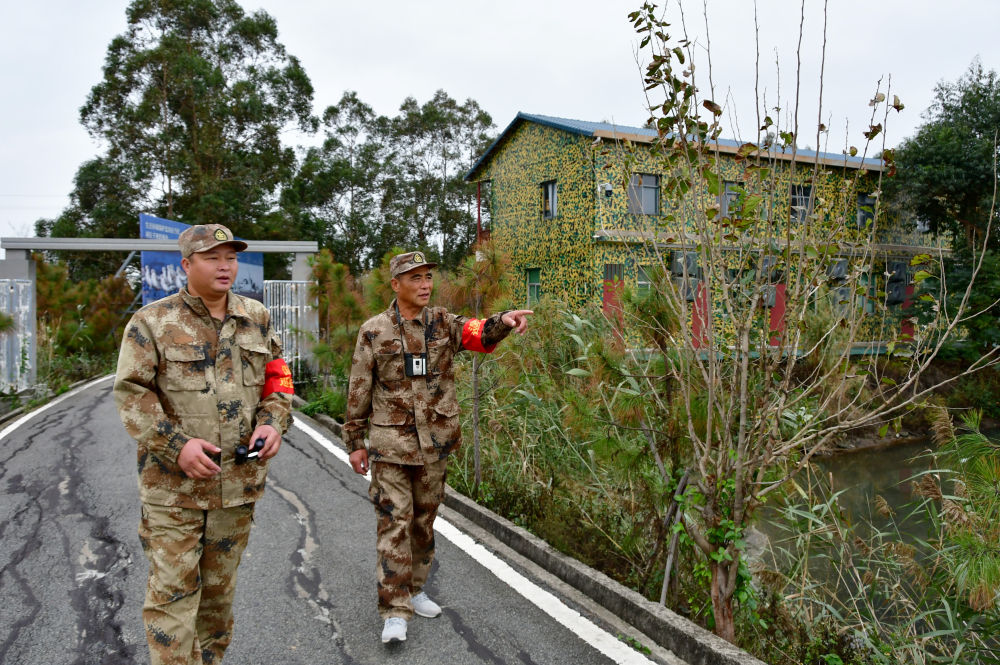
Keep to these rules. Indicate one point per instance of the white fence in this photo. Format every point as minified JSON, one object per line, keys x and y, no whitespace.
{"x":17,"y":300}
{"x":292,"y":315}
{"x":293,"y":318}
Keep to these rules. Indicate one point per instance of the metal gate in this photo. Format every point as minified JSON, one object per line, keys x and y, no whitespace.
{"x":293,"y":318}
{"x":17,"y":300}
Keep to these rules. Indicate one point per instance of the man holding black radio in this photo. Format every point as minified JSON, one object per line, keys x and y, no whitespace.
{"x":402,"y":394}
{"x":203,"y":390}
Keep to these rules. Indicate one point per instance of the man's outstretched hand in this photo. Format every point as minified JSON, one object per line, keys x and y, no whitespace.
{"x":517,"y":319}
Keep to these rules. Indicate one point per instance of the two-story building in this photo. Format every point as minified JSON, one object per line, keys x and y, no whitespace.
{"x":576,"y":225}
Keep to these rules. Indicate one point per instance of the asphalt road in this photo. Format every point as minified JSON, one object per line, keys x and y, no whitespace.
{"x":72,"y":574}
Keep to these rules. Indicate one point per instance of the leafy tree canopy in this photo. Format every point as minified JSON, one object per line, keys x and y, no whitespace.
{"x":947,"y":170}
{"x":333,"y":197}
{"x":190,"y":112}
{"x":947,"y":176}
{"x":380,"y":182}
{"x":191,"y":109}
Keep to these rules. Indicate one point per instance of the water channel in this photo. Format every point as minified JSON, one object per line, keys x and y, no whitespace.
{"x":884,"y":471}
{"x":859,"y":476}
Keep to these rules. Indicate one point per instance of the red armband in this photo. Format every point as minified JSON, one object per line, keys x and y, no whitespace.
{"x":277,"y":378}
{"x":472,"y":336}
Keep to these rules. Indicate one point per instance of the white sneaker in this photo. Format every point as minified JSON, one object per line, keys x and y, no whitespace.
{"x":394,"y":630}
{"x":424,"y":606}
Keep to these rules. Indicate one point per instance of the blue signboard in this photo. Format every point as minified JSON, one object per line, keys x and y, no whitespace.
{"x":162,"y":274}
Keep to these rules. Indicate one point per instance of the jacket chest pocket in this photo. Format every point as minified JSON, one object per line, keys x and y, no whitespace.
{"x":389,"y":365}
{"x":254,"y":357}
{"x":184,"y":368}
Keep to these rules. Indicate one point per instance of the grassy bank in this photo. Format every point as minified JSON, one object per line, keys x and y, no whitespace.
{"x":569,"y":449}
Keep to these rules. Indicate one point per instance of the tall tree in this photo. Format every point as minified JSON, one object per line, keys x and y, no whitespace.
{"x":947,"y":170}
{"x":334,"y":197}
{"x":947,"y":177}
{"x":193,"y":102}
{"x":380,"y":182}
{"x":757,"y":396}
{"x":105,"y":203}
{"x":433,"y":145}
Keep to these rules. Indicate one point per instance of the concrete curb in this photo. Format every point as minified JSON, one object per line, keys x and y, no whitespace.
{"x":685,"y":639}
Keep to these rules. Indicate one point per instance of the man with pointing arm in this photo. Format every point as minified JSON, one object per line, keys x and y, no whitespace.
{"x":402,"y":394}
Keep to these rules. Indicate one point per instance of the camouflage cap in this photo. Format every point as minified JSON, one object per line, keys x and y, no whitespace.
{"x":406,"y":262}
{"x":204,"y":237}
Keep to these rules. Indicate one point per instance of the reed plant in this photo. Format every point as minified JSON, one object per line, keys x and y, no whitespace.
{"x":554,"y":459}
{"x":917,"y":584}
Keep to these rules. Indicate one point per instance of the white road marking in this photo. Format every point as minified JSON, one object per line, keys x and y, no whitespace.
{"x":582,"y":627}
{"x":45,"y":407}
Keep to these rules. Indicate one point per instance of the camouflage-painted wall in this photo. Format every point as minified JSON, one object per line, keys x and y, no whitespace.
{"x":560,"y":246}
{"x":570,"y":258}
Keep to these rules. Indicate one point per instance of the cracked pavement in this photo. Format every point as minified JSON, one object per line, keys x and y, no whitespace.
{"x":72,"y":573}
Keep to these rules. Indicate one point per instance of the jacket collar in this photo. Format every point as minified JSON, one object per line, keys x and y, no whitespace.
{"x":393,"y":315}
{"x":234,"y":304}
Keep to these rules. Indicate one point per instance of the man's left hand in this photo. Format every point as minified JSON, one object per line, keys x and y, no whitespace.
{"x":272,"y":440}
{"x":517,"y":319}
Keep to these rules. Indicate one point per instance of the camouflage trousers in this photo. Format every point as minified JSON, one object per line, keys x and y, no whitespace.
{"x":406,"y":502}
{"x":193,"y":555}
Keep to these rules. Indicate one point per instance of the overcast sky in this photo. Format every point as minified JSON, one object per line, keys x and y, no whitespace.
{"x":568,"y":58}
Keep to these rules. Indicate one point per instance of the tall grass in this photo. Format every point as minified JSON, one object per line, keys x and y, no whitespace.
{"x":565,"y":456}
{"x":913,"y":585}
{"x":554,"y":460}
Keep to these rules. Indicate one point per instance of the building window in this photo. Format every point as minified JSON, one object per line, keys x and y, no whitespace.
{"x":534,"y":280}
{"x":800,"y":203}
{"x":866,"y":210}
{"x":614,"y":272}
{"x":644,"y":194}
{"x":836,"y":270}
{"x":867,"y":300}
{"x":643,"y":283}
{"x":728,"y":199}
{"x":684,"y":267}
{"x":684,"y":264}
{"x":549,"y":199}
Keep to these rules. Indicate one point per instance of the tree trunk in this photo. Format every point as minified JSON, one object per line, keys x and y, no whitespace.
{"x":722,"y":605}
{"x":674,"y":514}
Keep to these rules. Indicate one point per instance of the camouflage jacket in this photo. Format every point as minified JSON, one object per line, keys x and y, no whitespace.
{"x":181,"y":377}
{"x":411,"y":420}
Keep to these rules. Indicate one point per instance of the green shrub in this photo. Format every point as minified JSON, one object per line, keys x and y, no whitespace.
{"x":331,"y":402}
{"x":553,"y":461}
{"x":979,"y":391}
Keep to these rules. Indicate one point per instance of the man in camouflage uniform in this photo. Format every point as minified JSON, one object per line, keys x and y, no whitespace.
{"x":199,"y":373}
{"x":402,"y":393}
